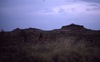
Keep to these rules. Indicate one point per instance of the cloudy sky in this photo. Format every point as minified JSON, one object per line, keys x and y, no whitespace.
{"x":49,"y":14}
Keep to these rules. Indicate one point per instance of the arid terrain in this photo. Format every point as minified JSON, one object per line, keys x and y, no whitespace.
{"x":71,"y":43}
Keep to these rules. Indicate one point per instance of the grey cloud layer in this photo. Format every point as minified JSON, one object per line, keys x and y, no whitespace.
{"x":97,"y":1}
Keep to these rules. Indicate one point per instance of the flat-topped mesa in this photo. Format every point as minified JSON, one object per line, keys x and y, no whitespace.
{"x":73,"y":27}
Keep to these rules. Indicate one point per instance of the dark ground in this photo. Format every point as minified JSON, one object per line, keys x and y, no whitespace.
{"x":72,"y":43}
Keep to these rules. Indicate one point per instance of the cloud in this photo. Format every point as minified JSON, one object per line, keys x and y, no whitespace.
{"x":97,"y":1}
{"x":75,"y":8}
{"x":18,"y":10}
{"x":46,"y":12}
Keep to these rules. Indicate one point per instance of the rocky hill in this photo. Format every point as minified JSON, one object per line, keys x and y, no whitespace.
{"x":71,"y":43}
{"x":73,"y":27}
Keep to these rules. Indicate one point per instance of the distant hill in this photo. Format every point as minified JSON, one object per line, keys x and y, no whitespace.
{"x":72,"y":27}
{"x":71,"y":43}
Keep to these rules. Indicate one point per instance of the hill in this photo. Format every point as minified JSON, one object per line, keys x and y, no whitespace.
{"x":71,"y":43}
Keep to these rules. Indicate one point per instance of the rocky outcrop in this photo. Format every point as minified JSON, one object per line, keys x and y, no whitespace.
{"x":73,"y":27}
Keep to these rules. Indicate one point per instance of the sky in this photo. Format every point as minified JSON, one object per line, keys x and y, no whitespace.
{"x":49,"y":14}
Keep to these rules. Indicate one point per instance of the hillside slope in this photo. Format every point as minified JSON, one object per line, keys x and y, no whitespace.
{"x":71,"y":43}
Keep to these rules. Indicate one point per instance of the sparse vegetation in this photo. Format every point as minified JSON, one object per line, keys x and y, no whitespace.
{"x":29,"y":45}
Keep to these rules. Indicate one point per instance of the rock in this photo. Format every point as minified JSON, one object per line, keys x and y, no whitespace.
{"x":73,"y":27}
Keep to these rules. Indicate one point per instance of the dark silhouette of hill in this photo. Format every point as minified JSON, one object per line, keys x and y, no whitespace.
{"x":72,"y":27}
{"x":71,"y":43}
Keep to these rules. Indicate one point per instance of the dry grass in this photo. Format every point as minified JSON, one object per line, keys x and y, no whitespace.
{"x":54,"y":47}
{"x":62,"y":51}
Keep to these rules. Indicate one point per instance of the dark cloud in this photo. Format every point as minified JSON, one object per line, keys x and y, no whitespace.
{"x":93,"y":9}
{"x":93,"y":5}
{"x":97,"y":1}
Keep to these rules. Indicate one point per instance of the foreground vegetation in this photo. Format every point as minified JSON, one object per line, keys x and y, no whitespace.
{"x":33,"y":45}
